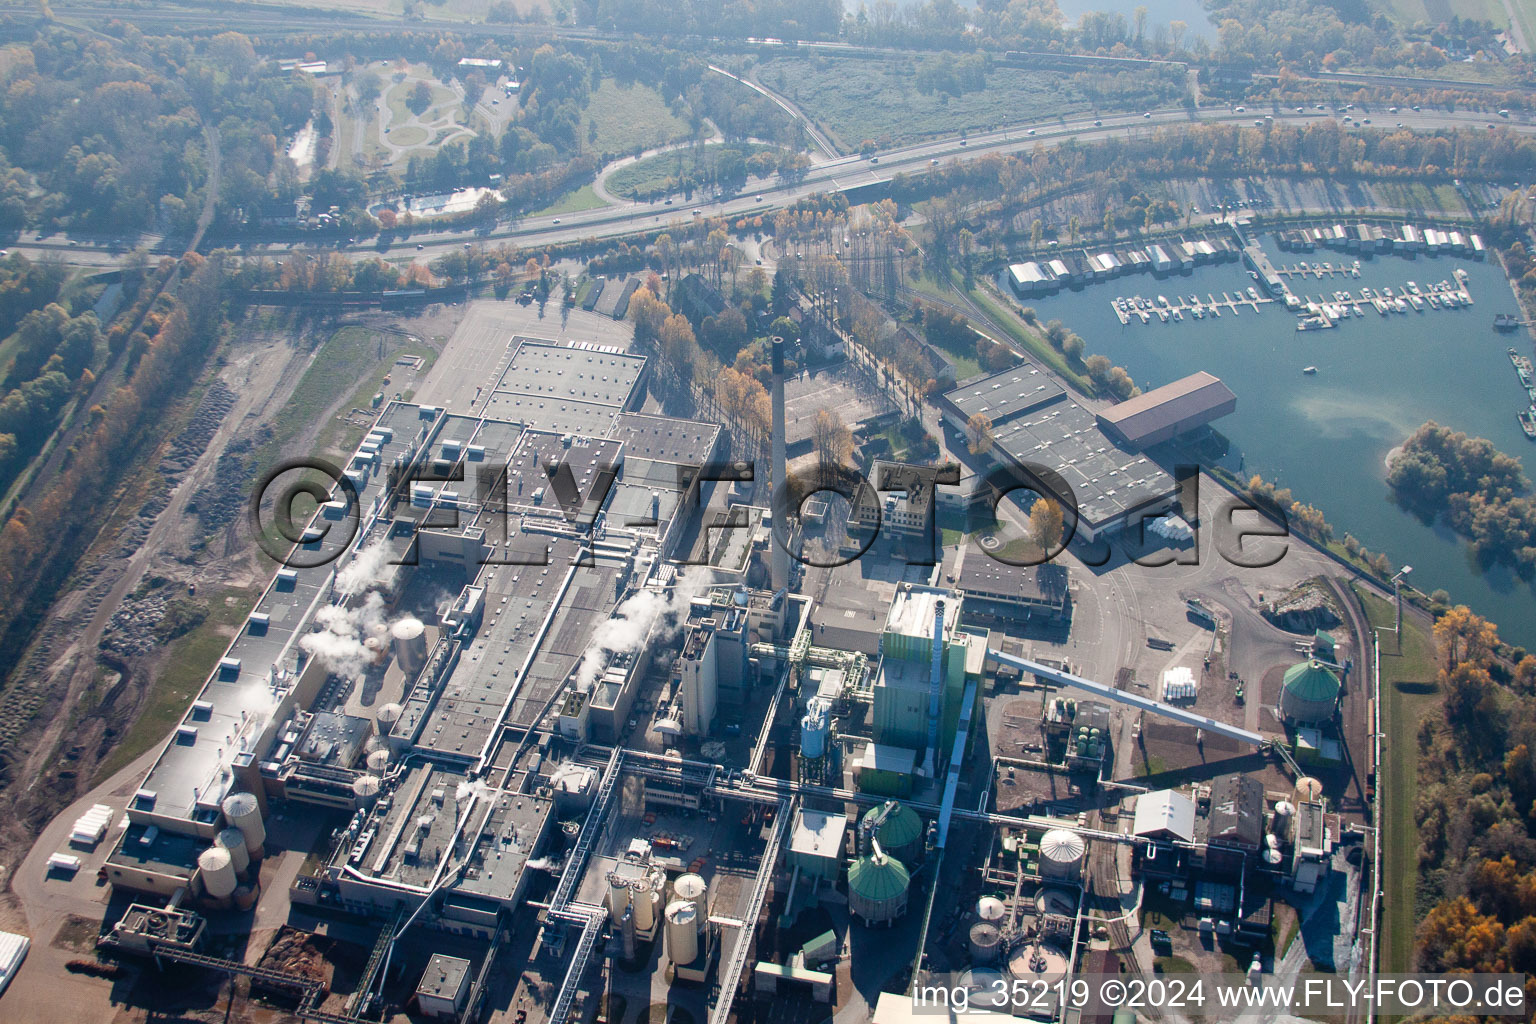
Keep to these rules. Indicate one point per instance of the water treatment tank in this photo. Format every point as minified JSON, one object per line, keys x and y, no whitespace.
{"x":233,"y":840}
{"x":217,"y":870}
{"x":682,"y":932}
{"x":1061,"y":854}
{"x":693,"y":888}
{"x":244,"y":812}
{"x":410,"y":639}
{"x":1310,"y":693}
{"x":991,"y":909}
{"x":986,"y":943}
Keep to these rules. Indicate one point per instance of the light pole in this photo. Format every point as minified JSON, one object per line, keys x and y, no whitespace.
{"x":1397,"y":594}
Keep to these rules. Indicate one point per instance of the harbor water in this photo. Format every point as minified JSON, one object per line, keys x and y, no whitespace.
{"x":1326,"y":434}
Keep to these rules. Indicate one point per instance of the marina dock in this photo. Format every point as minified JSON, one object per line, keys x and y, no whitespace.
{"x":1325,"y":310}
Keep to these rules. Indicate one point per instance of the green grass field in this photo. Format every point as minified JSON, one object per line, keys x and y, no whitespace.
{"x":652,"y":174}
{"x":574,"y":201}
{"x":1414,"y":12}
{"x":629,"y":117}
{"x":859,"y":99}
{"x":1407,"y":693}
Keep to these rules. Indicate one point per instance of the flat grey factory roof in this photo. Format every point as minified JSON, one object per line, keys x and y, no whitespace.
{"x":665,"y":438}
{"x":243,"y":702}
{"x":518,"y":599}
{"x":572,"y":372}
{"x":1106,"y":480}
{"x":1199,"y":394}
{"x":548,"y":412}
{"x":1005,"y":394}
{"x":985,"y":577}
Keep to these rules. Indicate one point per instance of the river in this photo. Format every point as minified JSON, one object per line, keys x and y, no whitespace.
{"x":1326,"y":436}
{"x":1159,"y":12}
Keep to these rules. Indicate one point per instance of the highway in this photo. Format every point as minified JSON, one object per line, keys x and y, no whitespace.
{"x":838,"y":175}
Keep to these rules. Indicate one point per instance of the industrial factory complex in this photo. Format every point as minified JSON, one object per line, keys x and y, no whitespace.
{"x":590,"y":737}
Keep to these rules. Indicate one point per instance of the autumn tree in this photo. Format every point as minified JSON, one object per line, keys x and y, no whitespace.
{"x":832,"y":438}
{"x":1046,"y":524}
{"x":979,"y":436}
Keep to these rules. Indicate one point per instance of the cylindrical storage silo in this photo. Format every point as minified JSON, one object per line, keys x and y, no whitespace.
{"x":813,"y":735}
{"x":1061,"y":854}
{"x":1281,"y":826}
{"x":900,"y":834}
{"x":877,"y":888}
{"x":217,"y":870}
{"x":990,"y":909}
{"x":695,"y":890}
{"x":386,"y":717}
{"x":618,"y":896}
{"x":644,"y":902}
{"x":244,"y":812}
{"x":682,"y":932}
{"x":986,"y":943}
{"x":233,"y":840}
{"x":410,"y":638}
{"x":365,"y":790}
{"x":245,"y":897}
{"x":378,"y":760}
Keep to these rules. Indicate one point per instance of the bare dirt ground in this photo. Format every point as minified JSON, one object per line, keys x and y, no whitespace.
{"x":92,"y":695}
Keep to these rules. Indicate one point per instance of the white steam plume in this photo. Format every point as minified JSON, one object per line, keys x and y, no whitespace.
{"x":360,"y":573}
{"x":632,"y":621}
{"x":339,"y":643}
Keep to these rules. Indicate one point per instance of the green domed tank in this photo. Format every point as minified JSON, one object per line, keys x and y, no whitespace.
{"x":1310,"y":694}
{"x":877,"y":888}
{"x":901,"y":834}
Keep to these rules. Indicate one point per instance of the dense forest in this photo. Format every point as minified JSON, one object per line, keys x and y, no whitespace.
{"x":1479,"y":491}
{"x":1476,"y":811}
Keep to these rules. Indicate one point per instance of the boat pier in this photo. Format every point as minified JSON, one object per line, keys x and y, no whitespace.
{"x":1173,"y":309}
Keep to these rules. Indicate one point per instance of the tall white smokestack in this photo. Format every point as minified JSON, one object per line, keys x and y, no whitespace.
{"x":780,"y":563}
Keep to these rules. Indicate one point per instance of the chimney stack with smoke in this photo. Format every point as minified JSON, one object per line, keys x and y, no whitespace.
{"x":780,"y":558}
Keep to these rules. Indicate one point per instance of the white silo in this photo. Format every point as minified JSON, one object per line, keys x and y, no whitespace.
{"x":695,"y":890}
{"x":217,"y":870}
{"x":410,"y":638}
{"x":378,"y":760}
{"x":682,"y":932}
{"x":244,"y":812}
{"x":618,"y":896}
{"x":990,"y":909}
{"x":365,"y":790}
{"x":233,"y":840}
{"x":1061,"y":854}
{"x":387,"y":717}
{"x":644,"y":899}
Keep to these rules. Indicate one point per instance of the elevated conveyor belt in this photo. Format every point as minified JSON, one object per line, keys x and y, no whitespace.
{"x":1179,"y":715}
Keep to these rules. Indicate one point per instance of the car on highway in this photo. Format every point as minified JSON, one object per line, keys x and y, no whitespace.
{"x":698,"y":213}
{"x":1098,"y":124}
{"x":934,"y":162}
{"x":419,"y":246}
{"x":1147,"y":114}
{"x":874,"y":159}
{"x":1030,"y":132}
{"x":1239,"y":109}
{"x":556,"y":221}
{"x":757,"y":199}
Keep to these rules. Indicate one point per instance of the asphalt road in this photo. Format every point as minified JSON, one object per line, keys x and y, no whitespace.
{"x":839,"y":175}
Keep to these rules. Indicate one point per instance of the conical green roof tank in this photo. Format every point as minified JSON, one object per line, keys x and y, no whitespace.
{"x":1310,"y":693}
{"x":877,"y":888}
{"x":901,"y":832}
